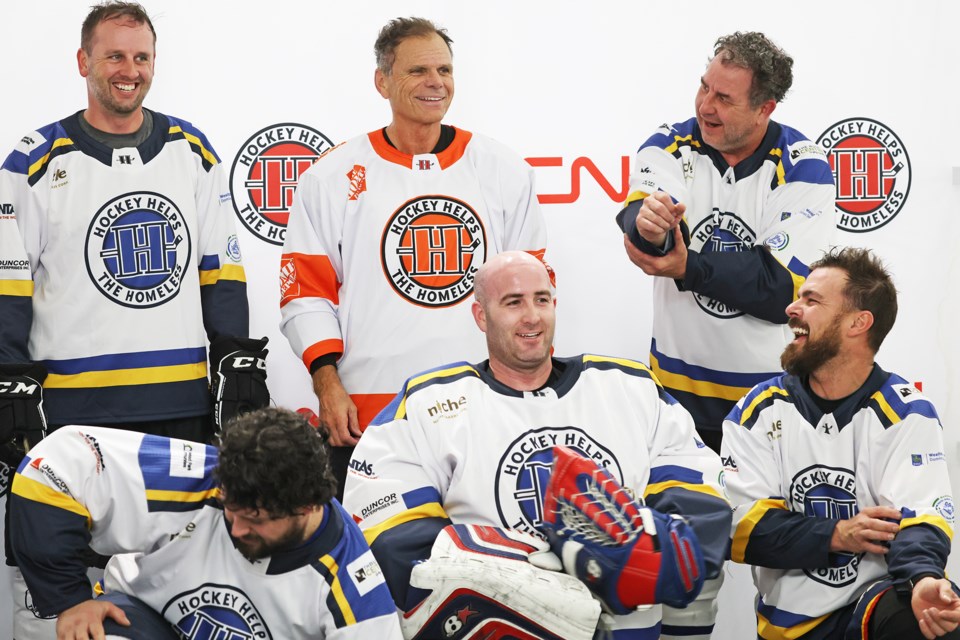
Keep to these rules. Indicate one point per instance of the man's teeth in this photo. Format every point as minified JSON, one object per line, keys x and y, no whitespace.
{"x":529,"y":335}
{"x":125,"y":87}
{"x":798,"y":331}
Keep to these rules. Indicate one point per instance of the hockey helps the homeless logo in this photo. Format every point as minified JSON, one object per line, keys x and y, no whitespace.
{"x":872,"y":171}
{"x":431,"y":249}
{"x":266,"y":172}
{"x":721,"y":232}
{"x":215,"y":612}
{"x":138,"y":249}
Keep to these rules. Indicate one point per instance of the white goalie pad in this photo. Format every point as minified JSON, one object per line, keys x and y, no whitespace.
{"x":481,"y":582}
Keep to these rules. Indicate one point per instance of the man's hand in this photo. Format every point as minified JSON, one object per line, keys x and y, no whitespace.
{"x":866,"y":531}
{"x":337,"y":411}
{"x":936,"y":607}
{"x":673,"y":265}
{"x":85,"y":620}
{"x":657,"y":216}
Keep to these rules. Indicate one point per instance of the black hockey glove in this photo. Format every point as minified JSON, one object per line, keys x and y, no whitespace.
{"x":22,"y":422}
{"x":238,"y":377}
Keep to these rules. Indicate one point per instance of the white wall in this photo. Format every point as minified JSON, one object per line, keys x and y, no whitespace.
{"x":555,"y":79}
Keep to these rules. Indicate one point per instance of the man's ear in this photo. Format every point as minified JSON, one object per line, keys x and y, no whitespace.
{"x":861,"y":323}
{"x":82,"y":62}
{"x":479,"y":316}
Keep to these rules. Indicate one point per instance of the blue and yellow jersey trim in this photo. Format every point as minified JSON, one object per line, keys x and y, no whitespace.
{"x":420,"y":503}
{"x":34,"y":165}
{"x":679,"y":135}
{"x":36,"y":491}
{"x":936,"y":521}
{"x":667,"y":477}
{"x":674,"y":373}
{"x":183,"y":130}
{"x":123,"y":369}
{"x":759,"y":398}
{"x":890,"y":408}
{"x":16,"y":288}
{"x":212,"y":272}
{"x":746,"y":525}
{"x":397,"y":408}
{"x":166,"y":492}
{"x":809,"y":167}
{"x":776,"y":624}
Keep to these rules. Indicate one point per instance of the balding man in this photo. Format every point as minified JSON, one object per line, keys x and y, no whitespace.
{"x":473,"y":444}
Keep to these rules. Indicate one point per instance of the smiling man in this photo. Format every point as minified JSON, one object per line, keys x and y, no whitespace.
{"x":243,"y":538}
{"x":471,"y":444}
{"x":726,"y":210}
{"x":386,"y":234}
{"x":838,"y":475}
{"x":120,"y":271}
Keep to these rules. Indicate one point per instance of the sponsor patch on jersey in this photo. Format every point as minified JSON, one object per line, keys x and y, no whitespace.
{"x":265,"y":174}
{"x":358,"y":181}
{"x":233,"y":249}
{"x":805,"y":150}
{"x":138,"y":249}
{"x":820,"y":491}
{"x":187,"y":459}
{"x":51,"y":476}
{"x":721,"y":232}
{"x":778,"y":241}
{"x":944,"y":506}
{"x":431,"y":249}
{"x":362,"y":467}
{"x":384,"y":502}
{"x":216,"y":611}
{"x":907,"y":392}
{"x":365,"y":573}
{"x":916,"y":459}
{"x":447,"y":409}
{"x":94,"y":447}
{"x":871,"y":169}
{"x":524,"y":470}
{"x":936,"y":456}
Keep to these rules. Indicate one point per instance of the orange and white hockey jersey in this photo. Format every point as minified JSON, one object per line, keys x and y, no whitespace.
{"x":381,"y":252}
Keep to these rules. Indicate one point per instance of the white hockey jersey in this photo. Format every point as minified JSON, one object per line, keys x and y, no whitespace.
{"x":127,"y":492}
{"x":792,"y":472}
{"x":753,"y":229}
{"x":457,"y":444}
{"x":116,"y":266}
{"x":381,"y":251}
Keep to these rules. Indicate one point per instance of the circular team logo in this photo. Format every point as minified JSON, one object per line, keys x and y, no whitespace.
{"x":138,"y":249}
{"x":265,"y":174}
{"x":944,"y":506}
{"x":431,"y":249}
{"x":524,"y":470}
{"x":872,"y":171}
{"x":216,"y":611}
{"x":828,"y":492}
{"x":721,"y":232}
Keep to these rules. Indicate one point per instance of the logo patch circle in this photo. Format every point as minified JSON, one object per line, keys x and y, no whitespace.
{"x":944,"y":506}
{"x":138,"y":249}
{"x":265,"y":174}
{"x":216,"y":610}
{"x":721,"y":232}
{"x":431,"y":249}
{"x":871,"y":169}
{"x":524,"y":470}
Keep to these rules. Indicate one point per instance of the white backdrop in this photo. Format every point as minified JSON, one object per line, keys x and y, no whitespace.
{"x":564,"y":81}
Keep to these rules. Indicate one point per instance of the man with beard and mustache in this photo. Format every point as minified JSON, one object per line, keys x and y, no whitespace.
{"x":244,"y":537}
{"x":120,"y":268}
{"x":838,"y":476}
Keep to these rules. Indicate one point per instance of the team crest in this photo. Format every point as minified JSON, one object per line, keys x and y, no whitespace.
{"x":216,"y":611}
{"x":266,"y":172}
{"x":138,"y":249}
{"x":524,"y":470}
{"x":828,"y":492}
{"x":721,"y":232}
{"x":872,"y":171}
{"x":431,"y":249}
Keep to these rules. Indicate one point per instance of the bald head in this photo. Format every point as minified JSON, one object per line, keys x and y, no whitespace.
{"x":498,"y":268}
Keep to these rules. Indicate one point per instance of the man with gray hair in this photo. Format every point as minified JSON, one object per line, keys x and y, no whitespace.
{"x":386,"y":234}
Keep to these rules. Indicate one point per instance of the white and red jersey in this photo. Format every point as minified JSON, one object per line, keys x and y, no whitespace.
{"x":381,"y":251}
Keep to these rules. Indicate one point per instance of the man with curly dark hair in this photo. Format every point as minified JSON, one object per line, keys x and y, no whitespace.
{"x":244,"y":537}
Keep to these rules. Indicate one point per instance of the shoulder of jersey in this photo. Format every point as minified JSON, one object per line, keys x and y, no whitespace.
{"x":803,"y":160}
{"x":671,"y":137}
{"x":180,"y":129}
{"x":764,"y":395}
{"x":897,"y":399}
{"x":34,"y":151}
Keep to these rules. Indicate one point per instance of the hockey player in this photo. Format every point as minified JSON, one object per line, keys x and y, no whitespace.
{"x":242,"y":540}
{"x":386,"y":234}
{"x":473,"y":444}
{"x":726,"y":210}
{"x":119,"y":264}
{"x":838,"y":475}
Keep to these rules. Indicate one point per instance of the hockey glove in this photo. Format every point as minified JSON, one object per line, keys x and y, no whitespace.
{"x":238,"y":380}
{"x":626,"y":554}
{"x":22,"y":422}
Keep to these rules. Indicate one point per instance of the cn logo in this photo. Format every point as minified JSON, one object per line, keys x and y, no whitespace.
{"x":577,"y":167}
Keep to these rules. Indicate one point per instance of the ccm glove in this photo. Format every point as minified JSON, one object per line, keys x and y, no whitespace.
{"x":627,"y":555}
{"x":22,"y":422}
{"x":238,"y":379}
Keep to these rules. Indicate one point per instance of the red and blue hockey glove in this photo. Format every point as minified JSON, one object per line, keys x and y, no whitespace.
{"x":627,"y":555}
{"x":238,"y":378}
{"x":22,"y":422}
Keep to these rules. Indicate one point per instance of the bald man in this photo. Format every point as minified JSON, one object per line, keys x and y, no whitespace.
{"x":473,"y":443}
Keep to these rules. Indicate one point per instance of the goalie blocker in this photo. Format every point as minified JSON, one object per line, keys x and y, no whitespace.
{"x":626,"y":554}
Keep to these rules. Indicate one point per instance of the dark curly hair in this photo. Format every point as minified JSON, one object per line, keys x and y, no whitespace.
{"x":111,"y":11}
{"x":771,"y":66}
{"x":274,"y":460}
{"x":398,"y":30}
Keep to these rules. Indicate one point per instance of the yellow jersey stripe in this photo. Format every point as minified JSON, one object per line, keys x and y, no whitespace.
{"x":769,"y":631}
{"x":429,"y":510}
{"x":337,"y":590}
{"x":669,"y":484}
{"x":122,"y":377}
{"x":634,"y":196}
{"x":698,"y":387}
{"x":38,"y":165}
{"x":741,"y":535}
{"x":227,"y":272}
{"x":163,"y":495}
{"x":930,"y":519}
{"x":31,"y":489}
{"x":23,"y":288}
{"x":885,"y":407}
{"x":195,"y":141}
{"x":767,"y":393}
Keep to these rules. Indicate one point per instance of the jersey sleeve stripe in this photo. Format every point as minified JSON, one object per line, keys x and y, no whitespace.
{"x":668,"y":472}
{"x":659,"y":487}
{"x":888,"y":417}
{"x":209,"y":158}
{"x":751,"y":411}
{"x":56,"y":149}
{"x":124,"y":377}
{"x":322,"y":348}
{"x":30,"y":489}
{"x":783,"y":625}
{"x":695,"y":386}
{"x":313,"y":277}
{"x":722,"y":384}
{"x":113,"y":361}
{"x":227,"y":272}
{"x":430,"y":510}
{"x":336,"y":591}
{"x":17,"y":288}
{"x":744,"y":527}
{"x":936,"y":521}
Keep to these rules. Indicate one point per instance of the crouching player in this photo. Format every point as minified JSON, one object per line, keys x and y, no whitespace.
{"x":478,"y":479}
